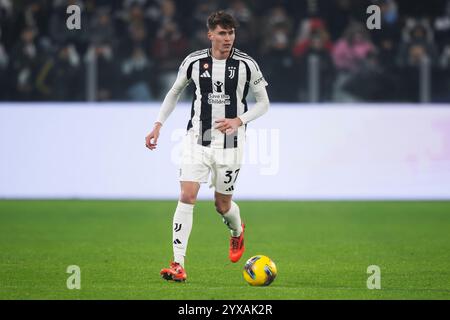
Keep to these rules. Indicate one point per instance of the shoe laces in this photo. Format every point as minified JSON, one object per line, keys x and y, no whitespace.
{"x":176,"y":266}
{"x":235,"y":243}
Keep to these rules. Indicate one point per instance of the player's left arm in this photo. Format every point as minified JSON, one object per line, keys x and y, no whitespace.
{"x":258,"y":86}
{"x":261,"y":106}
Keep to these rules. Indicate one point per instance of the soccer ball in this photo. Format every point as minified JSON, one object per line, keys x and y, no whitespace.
{"x":260,"y":271}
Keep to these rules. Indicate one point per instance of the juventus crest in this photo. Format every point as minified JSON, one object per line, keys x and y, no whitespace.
{"x":232,"y":71}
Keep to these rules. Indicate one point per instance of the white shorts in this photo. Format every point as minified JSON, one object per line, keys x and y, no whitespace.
{"x":197,"y":162}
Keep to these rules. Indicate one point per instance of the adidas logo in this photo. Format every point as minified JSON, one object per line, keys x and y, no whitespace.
{"x":177,"y":241}
{"x":205,"y":74}
{"x":230,"y":188}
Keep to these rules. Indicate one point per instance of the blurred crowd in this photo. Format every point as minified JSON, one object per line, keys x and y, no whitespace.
{"x":139,"y":44}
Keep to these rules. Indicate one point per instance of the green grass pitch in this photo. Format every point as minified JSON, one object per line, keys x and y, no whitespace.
{"x":322,"y":250}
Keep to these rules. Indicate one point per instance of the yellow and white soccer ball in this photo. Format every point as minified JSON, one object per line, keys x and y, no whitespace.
{"x":260,"y":271}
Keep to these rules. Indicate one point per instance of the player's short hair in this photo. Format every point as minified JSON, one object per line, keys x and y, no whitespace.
{"x":221,"y":18}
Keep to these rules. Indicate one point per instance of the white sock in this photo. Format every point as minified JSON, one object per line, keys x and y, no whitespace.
{"x":233,"y":220}
{"x":182,"y":226}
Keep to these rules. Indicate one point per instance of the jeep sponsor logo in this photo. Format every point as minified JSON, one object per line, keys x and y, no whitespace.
{"x":258,"y":81}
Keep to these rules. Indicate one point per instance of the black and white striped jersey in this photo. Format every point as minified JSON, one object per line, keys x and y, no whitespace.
{"x":221,"y":88}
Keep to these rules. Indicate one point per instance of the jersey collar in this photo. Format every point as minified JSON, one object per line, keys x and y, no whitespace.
{"x":230,"y":56}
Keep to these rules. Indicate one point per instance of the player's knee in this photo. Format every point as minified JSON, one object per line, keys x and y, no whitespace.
{"x":188,"y":197}
{"x":222,"y":207}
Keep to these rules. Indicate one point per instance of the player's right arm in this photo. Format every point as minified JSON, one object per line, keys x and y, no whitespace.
{"x":168,"y":105}
{"x":258,"y":86}
{"x":151,"y":140}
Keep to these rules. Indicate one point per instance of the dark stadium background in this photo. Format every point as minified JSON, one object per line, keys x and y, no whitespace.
{"x":139,"y":44}
{"x":75,"y":106}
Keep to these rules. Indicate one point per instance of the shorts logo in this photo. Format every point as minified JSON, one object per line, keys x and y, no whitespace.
{"x":177,"y":227}
{"x":230,"y":189}
{"x":232,"y":71}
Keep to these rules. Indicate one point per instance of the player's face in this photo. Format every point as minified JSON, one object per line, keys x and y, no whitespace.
{"x":222,"y":39}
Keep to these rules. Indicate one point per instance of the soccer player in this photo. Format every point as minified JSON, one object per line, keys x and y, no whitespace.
{"x":215,"y":137}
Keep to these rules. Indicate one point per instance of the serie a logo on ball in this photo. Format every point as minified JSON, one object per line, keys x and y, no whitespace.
{"x":260,"y":271}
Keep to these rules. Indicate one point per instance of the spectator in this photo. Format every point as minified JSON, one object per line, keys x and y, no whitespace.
{"x":4,"y":60}
{"x":169,"y":45}
{"x":133,"y":12}
{"x":387,"y":38}
{"x":417,"y":44}
{"x":101,"y":28}
{"x":309,"y":32}
{"x":416,"y":48}
{"x":313,"y":41}
{"x":442,"y":27}
{"x":278,"y":64}
{"x":25,"y":65}
{"x":137,"y":37}
{"x":352,"y":48}
{"x":349,"y":54}
{"x":32,"y":14}
{"x":135,"y":71}
{"x":441,"y":81}
{"x":59,"y":78}
{"x":244,"y":16}
{"x":107,"y":72}
{"x":7,"y":33}
{"x":276,"y":21}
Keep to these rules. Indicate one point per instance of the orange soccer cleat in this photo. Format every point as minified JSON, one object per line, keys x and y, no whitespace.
{"x":175,"y":272}
{"x":237,"y":246}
